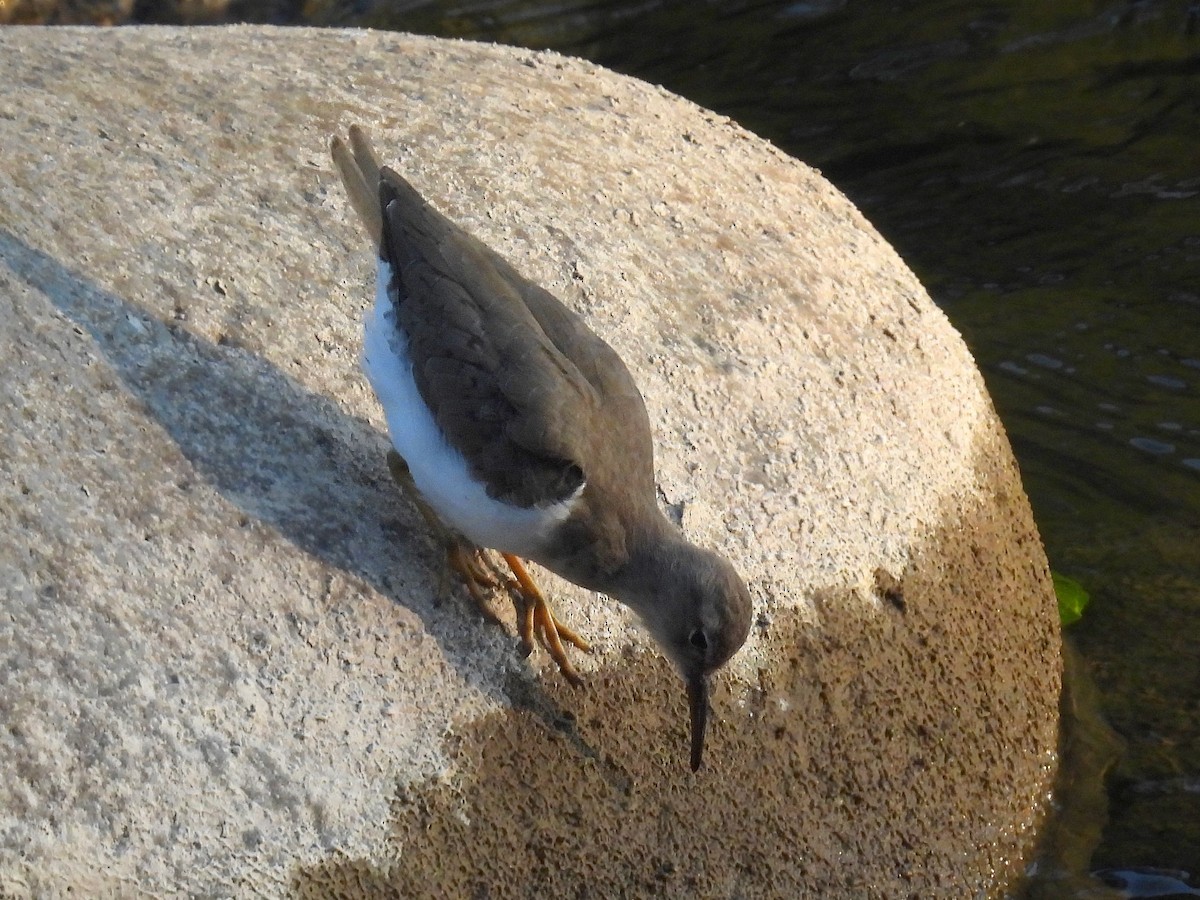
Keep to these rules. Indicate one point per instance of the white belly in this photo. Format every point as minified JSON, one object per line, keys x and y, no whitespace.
{"x":438,"y":470}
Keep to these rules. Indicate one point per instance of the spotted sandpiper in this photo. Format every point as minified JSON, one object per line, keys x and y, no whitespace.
{"x":517,"y":429}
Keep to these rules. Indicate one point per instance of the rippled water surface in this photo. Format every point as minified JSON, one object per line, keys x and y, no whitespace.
{"x":1038,"y":164}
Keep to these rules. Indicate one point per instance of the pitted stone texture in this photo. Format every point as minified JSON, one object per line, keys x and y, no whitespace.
{"x":223,"y":665}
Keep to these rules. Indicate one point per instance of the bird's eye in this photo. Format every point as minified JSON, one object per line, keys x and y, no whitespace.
{"x":698,"y":639}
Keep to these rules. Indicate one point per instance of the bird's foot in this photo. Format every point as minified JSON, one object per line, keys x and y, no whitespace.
{"x":534,"y":616}
{"x":473,"y":567}
{"x":463,"y":557}
{"x":478,"y":572}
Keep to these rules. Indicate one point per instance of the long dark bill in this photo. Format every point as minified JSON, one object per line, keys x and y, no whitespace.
{"x":697,"y":690}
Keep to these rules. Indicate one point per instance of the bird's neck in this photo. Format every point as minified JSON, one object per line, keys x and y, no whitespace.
{"x":656,"y":555}
{"x":623,"y":557}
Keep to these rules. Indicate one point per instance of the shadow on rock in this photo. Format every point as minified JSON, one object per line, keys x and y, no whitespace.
{"x":899,"y":746}
{"x":280,"y":453}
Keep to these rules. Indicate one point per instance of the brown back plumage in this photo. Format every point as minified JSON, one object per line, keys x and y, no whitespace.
{"x":516,"y":381}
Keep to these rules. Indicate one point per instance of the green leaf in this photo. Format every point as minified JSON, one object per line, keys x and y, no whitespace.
{"x":1072,"y":598}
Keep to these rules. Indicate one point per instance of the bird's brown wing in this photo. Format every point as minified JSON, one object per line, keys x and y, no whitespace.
{"x":620,"y":402}
{"x":519,"y":410}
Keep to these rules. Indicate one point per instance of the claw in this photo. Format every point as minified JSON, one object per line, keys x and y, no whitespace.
{"x":481,"y":576}
{"x":537,"y":617}
{"x":464,"y":560}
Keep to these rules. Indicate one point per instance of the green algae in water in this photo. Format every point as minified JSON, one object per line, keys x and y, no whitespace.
{"x":1072,"y":598}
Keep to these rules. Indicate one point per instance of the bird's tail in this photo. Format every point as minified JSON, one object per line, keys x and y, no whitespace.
{"x":359,"y":167}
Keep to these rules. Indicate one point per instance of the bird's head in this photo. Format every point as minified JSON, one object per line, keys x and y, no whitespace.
{"x":700,"y":615}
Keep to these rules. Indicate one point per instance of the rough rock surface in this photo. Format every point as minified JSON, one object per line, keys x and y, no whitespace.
{"x":224,"y":669}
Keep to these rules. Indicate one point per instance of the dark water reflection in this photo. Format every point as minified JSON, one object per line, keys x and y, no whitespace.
{"x":1038,"y":165}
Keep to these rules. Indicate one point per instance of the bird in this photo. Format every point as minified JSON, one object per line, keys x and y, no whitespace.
{"x":516,"y":428}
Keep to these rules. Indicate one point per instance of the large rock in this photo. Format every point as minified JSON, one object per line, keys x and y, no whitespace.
{"x":224,"y":669}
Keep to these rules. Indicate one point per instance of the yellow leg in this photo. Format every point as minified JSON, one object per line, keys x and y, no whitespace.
{"x":464,"y":559}
{"x":461,"y":556}
{"x":534,"y":615}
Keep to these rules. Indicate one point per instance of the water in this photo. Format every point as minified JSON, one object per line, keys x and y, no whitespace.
{"x":1038,"y":165}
